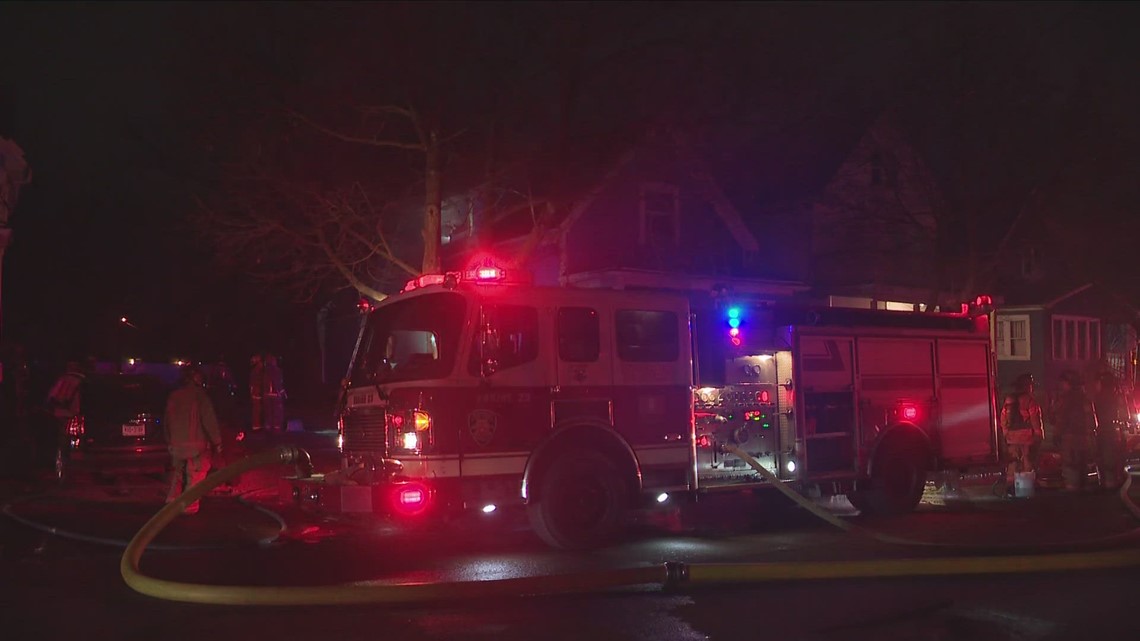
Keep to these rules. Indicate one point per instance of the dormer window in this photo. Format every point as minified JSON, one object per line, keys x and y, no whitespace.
{"x":876,"y":170}
{"x":1031,"y":267}
{"x":660,"y":215}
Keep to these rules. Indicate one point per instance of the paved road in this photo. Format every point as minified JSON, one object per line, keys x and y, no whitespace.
{"x":57,"y":588}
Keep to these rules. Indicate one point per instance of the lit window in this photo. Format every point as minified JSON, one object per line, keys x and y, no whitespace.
{"x":1076,"y":338}
{"x":1011,"y":338}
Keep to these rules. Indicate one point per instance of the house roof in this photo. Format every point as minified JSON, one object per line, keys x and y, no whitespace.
{"x":516,"y":221}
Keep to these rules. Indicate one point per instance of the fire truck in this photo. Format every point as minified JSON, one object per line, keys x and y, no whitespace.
{"x":476,"y":391}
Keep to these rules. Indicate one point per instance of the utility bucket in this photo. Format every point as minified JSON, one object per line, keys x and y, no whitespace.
{"x":1023,"y":484}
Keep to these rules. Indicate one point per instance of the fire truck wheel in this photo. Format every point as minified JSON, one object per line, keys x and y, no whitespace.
{"x":583,"y":502}
{"x":897,"y":480}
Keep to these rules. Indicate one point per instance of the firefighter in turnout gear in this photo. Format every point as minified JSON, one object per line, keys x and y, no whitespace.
{"x":1075,"y":420}
{"x":1112,"y":417}
{"x":1022,"y":427}
{"x":63,"y":399}
{"x":191,"y":432}
{"x":274,"y":386}
{"x":256,"y":392}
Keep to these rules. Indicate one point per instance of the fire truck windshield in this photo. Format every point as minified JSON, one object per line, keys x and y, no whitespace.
{"x":412,"y":339}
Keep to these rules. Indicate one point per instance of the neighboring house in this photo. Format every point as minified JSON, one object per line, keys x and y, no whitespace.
{"x":868,"y":210}
{"x":1050,"y":318}
{"x":653,"y":218}
{"x":1087,"y":329}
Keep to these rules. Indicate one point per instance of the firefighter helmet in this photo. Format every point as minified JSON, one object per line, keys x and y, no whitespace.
{"x":1022,"y":383}
{"x":1072,"y":378}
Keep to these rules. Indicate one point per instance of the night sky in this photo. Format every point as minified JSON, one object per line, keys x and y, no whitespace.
{"x":108,"y":102}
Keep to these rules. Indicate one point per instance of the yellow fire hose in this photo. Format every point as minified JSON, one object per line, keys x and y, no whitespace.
{"x":668,"y":575}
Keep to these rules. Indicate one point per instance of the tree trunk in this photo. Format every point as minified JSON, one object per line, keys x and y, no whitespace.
{"x":434,"y":201}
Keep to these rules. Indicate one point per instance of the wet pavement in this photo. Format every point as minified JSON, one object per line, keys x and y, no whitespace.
{"x":57,"y":587}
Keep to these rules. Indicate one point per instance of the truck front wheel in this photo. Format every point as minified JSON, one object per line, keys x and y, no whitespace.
{"x":582,"y":502}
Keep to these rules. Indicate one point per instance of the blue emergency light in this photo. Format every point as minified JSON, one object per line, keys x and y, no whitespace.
{"x":734,"y":322}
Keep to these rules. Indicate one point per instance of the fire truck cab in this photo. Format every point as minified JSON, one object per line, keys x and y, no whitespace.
{"x":471,"y":391}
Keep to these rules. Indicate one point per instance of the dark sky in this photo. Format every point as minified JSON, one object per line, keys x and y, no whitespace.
{"x":1029,"y":93}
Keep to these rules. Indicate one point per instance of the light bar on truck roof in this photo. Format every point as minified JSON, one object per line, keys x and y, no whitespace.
{"x":480,"y":275}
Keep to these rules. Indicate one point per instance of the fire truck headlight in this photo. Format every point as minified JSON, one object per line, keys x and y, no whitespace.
{"x":411,"y":441}
{"x":791,"y":466}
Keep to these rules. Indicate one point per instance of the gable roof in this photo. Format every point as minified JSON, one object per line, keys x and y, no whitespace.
{"x":516,"y":222}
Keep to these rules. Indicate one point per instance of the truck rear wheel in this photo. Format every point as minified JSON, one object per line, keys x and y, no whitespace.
{"x":897,"y":479}
{"x":582,"y":502}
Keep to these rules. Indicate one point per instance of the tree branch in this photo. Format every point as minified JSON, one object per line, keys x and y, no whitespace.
{"x":362,"y":140}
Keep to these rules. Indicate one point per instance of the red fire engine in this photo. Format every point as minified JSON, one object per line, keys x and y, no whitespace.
{"x":471,"y":391}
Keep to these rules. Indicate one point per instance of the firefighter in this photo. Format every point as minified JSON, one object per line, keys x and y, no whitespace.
{"x":1022,"y":427}
{"x":274,"y":395}
{"x":1075,"y":419}
{"x":1112,"y":416}
{"x":64,"y":402}
{"x":256,"y":392}
{"x":63,"y":399}
{"x":191,"y":430}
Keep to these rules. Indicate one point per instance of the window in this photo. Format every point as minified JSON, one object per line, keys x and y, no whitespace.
{"x":1012,"y":338}
{"x":882,"y":174}
{"x":511,"y":337}
{"x":660,"y":216}
{"x":647,"y":336}
{"x":410,"y":340}
{"x":1076,"y":338}
{"x":1031,"y":263}
{"x":579,"y":335}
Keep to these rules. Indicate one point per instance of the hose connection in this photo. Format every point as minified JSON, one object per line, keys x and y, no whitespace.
{"x":290,"y":454}
{"x":676,"y":574}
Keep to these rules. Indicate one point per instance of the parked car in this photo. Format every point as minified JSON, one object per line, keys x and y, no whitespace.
{"x":119,"y":428}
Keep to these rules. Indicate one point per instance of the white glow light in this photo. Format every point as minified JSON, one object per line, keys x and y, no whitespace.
{"x":487,"y":509}
{"x":791,"y":466}
{"x":411,"y":440}
{"x":662,"y":497}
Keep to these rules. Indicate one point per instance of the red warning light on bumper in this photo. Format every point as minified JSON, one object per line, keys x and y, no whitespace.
{"x":410,"y":499}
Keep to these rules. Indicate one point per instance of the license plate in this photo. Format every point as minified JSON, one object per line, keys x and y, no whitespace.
{"x":134,"y":430}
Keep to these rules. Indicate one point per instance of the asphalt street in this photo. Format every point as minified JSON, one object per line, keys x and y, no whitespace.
{"x":58,"y":587}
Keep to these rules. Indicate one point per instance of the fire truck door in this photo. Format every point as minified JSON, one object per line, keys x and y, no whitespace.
{"x":584,"y":374}
{"x":828,"y":397}
{"x":509,"y":413}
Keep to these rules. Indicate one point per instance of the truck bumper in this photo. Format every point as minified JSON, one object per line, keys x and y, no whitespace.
{"x":314,"y":493}
{"x":389,"y":499}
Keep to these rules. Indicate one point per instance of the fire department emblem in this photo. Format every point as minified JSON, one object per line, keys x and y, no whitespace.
{"x":482,"y":425}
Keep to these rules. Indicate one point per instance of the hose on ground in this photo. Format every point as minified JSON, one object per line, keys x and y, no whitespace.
{"x":7,"y":510}
{"x":847,"y":526}
{"x":668,"y":575}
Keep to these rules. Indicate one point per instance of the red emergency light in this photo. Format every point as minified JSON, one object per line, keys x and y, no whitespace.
{"x":908,"y":412}
{"x":410,"y":499}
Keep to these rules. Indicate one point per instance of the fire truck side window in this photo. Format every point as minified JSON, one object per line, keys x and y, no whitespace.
{"x":647,"y":336}
{"x":579,"y":335}
{"x":516,"y":328}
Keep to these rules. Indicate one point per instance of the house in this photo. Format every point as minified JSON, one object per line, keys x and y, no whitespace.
{"x":653,"y":217}
{"x":867,"y":210}
{"x":1052,"y":317}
